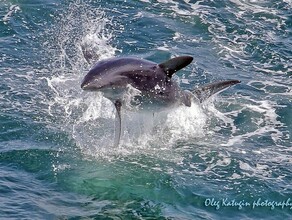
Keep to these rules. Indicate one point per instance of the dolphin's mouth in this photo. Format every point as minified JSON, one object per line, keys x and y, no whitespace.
{"x":83,"y":85}
{"x":96,"y":86}
{"x":91,"y":85}
{"x":86,"y":86}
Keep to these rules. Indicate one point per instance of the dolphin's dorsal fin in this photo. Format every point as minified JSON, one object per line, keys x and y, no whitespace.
{"x":175,"y":64}
{"x":204,"y":92}
{"x":118,"y":123}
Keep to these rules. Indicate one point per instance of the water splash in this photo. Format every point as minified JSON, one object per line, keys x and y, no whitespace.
{"x":79,"y":29}
{"x":89,"y":117}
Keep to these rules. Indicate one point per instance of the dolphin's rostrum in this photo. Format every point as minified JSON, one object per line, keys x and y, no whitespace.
{"x":154,"y":82}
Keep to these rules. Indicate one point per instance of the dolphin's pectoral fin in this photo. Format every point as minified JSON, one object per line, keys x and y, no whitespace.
{"x":175,"y":64}
{"x":204,"y":92}
{"x":118,"y":123}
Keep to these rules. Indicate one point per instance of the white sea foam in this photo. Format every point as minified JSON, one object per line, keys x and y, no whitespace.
{"x":12,"y":9}
{"x":266,"y":125}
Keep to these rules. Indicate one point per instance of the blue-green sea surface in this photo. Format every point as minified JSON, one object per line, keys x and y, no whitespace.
{"x":227,"y":158}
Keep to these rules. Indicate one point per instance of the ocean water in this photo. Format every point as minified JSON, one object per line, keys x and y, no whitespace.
{"x":230,"y":157}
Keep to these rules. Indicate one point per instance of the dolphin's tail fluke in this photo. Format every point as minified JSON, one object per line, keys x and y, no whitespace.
{"x":204,"y":92}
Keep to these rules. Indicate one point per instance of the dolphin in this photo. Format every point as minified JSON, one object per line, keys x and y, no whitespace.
{"x":156,"y":88}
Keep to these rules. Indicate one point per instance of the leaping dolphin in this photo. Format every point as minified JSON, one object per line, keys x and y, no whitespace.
{"x":157,"y":89}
